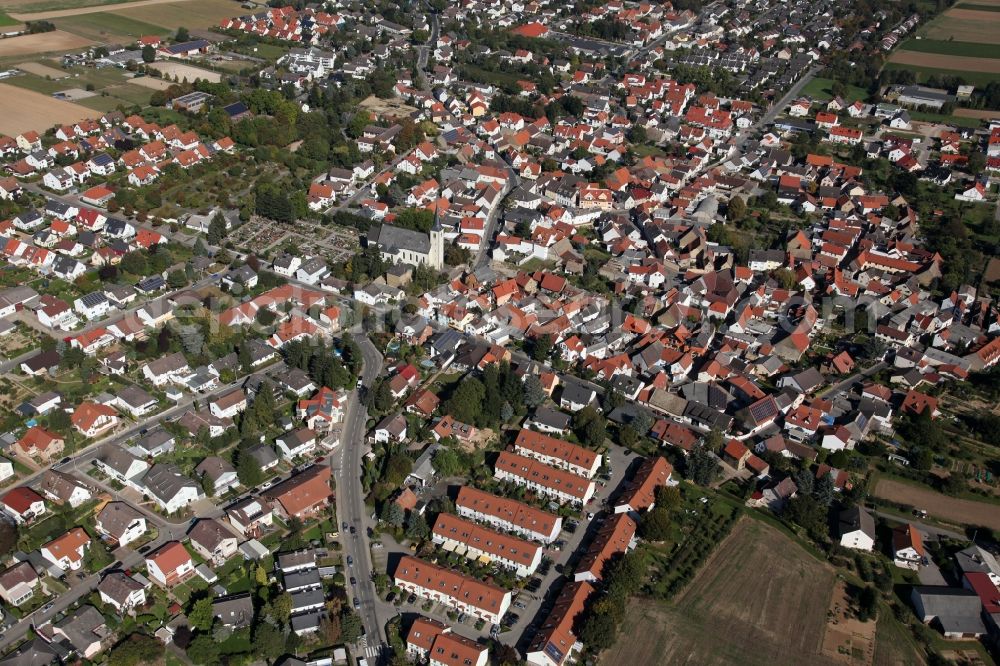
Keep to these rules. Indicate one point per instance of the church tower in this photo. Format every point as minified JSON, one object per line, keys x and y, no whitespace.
{"x":435,"y":256}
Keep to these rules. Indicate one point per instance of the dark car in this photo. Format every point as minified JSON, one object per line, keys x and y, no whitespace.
{"x":144,"y":549}
{"x":64,"y":461}
{"x":353,"y":530}
{"x":354,"y":581}
{"x":412,"y":599}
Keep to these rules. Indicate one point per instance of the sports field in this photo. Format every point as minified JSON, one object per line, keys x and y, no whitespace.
{"x":183,"y":71}
{"x":759,"y":599}
{"x":22,"y":110}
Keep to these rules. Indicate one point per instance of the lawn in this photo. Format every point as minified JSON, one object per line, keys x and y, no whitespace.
{"x":894,"y":644}
{"x":101,"y":25}
{"x":958,"y":121}
{"x":37,"y":83}
{"x":760,"y":599}
{"x":821,"y":89}
{"x":946,"y":47}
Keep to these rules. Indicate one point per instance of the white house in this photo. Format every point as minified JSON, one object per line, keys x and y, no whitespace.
{"x":66,"y":551}
{"x":297,"y":443}
{"x":857,"y":529}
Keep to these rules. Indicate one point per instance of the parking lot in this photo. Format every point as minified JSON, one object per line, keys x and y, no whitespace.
{"x":536,"y":605}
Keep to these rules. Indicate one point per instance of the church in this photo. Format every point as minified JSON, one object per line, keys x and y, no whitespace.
{"x":397,"y":245}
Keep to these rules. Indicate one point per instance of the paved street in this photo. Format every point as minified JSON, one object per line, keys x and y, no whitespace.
{"x":848,"y":383}
{"x":346,"y":464}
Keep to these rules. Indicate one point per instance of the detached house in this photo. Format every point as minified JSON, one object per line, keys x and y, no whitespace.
{"x":213,"y":541}
{"x":92,"y":419}
{"x":22,"y":504}
{"x":40,"y":444}
{"x":121,"y":592}
{"x":120,"y":524}
{"x":66,"y":551}
{"x":18,"y":584}
{"x":170,"y":564}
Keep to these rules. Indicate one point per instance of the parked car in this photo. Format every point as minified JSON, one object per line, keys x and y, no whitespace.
{"x":357,"y":602}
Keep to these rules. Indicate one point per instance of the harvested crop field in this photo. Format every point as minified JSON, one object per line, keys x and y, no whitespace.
{"x":189,"y":72}
{"x":22,"y":110}
{"x":759,"y":599}
{"x":45,"y":42}
{"x":939,"y":61}
{"x":43,"y":70}
{"x":964,"y":25}
{"x":34,"y":11}
{"x":982,"y":114}
{"x":939,"y":505}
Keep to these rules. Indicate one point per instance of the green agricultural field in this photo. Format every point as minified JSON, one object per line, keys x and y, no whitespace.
{"x":101,"y":25}
{"x":980,"y":79}
{"x":946,"y":47}
{"x":32,"y":6}
{"x":6,"y":20}
{"x":977,"y":7}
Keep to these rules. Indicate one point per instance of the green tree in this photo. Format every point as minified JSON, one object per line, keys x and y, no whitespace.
{"x":598,"y":631}
{"x":397,"y":468}
{"x":394,"y":514}
{"x":447,"y":463}
{"x":248,"y":470}
{"x":702,"y":467}
{"x":466,"y":402}
{"x":280,"y":608}
{"x":350,"y":626}
{"x":736,"y":210}
{"x":382,"y":400}
{"x":534,"y":393}
{"x":203,"y":650}
{"x":655,"y":524}
{"x":359,"y":122}
{"x":201,"y":615}
{"x":135,"y":649}
{"x":176,"y":279}
{"x":148,"y":53}
{"x":182,"y":35}
{"x":541,"y":346}
{"x":804,"y":510}
{"x":416,"y":527}
{"x":217,"y":229}
{"x":268,"y":641}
